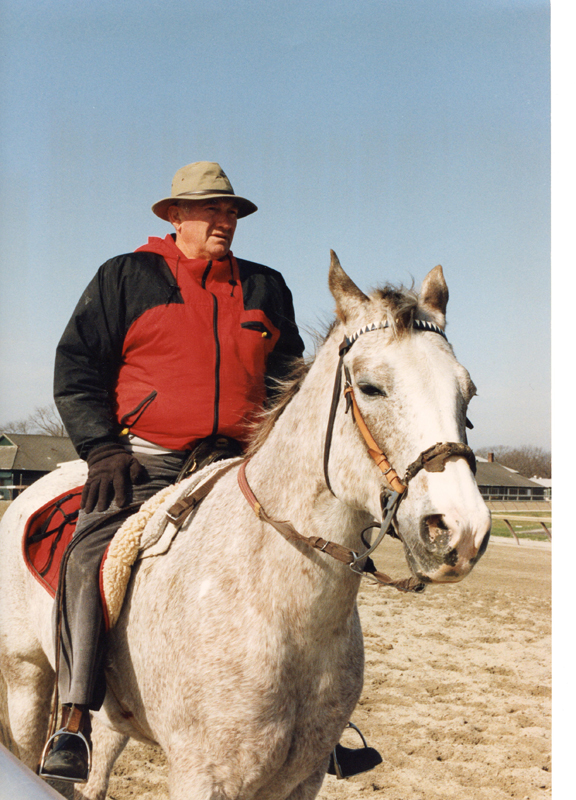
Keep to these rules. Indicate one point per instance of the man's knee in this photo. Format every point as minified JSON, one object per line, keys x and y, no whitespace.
{"x":87,"y":548}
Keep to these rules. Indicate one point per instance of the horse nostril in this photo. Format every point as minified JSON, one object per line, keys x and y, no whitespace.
{"x":435,"y":533}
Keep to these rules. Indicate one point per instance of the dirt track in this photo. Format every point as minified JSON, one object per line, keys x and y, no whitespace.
{"x":457,"y":688}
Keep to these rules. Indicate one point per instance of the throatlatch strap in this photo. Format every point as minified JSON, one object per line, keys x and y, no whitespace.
{"x":331,"y":418}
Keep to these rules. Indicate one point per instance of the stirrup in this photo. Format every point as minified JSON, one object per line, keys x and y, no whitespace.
{"x":347,"y":761}
{"x":48,"y":749}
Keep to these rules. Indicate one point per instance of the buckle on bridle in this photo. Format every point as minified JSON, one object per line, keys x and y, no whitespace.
{"x":354,"y":562}
{"x":348,"y":389}
{"x":388,"y":514}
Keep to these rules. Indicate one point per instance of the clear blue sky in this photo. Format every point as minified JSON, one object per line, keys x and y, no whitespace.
{"x":400,"y":133}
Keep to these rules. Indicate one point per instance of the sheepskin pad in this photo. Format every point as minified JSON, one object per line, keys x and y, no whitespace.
{"x":150,"y":532}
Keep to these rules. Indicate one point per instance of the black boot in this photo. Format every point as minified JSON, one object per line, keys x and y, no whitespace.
{"x":69,"y":758}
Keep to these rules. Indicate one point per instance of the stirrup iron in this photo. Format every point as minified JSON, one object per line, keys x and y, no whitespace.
{"x":48,"y":749}
{"x":347,"y":761}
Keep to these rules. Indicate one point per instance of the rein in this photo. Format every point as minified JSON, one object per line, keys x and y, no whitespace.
{"x":432,"y":460}
{"x":343,"y":554}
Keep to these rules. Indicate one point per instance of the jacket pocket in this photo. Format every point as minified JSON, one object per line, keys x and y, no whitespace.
{"x":132,"y":417}
{"x":254,"y":325}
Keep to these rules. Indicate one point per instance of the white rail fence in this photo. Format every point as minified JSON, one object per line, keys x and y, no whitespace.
{"x":508,"y":518}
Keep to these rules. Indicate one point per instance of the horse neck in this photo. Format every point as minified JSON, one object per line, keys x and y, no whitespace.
{"x":287,"y":469}
{"x":287,"y":477}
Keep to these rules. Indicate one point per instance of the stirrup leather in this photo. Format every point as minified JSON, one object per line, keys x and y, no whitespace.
{"x":346,"y":761}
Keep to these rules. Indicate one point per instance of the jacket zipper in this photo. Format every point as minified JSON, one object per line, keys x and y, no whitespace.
{"x":218,"y":354}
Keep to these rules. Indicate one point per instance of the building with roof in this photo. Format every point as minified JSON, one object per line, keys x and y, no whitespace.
{"x":25,"y":457}
{"x":499,"y":483}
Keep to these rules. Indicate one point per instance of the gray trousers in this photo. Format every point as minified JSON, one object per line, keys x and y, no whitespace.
{"x":82,"y":631}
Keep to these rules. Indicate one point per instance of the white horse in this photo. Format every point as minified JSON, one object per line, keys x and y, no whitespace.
{"x":240,"y":651}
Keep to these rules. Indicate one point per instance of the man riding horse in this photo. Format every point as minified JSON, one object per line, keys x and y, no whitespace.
{"x":169,"y":355}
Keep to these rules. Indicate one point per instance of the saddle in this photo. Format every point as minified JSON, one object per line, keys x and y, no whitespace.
{"x":50,"y":529}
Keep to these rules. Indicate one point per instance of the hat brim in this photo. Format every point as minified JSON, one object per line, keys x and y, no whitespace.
{"x":245,"y":207}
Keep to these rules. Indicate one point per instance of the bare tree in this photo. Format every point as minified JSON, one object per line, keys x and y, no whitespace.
{"x":529,"y":461}
{"x":44,"y":419}
{"x":17,"y":426}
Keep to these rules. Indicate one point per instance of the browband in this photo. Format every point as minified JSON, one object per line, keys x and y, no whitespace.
{"x":417,"y":324}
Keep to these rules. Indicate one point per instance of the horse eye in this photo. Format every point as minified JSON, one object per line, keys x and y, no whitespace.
{"x":370,"y":390}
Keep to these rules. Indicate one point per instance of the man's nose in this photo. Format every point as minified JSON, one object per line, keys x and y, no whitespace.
{"x":225,"y":220}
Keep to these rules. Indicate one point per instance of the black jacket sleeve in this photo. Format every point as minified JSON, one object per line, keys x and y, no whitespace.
{"x":89,"y":354}
{"x":87,"y":362}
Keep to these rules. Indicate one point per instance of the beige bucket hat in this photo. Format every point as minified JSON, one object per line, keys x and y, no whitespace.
{"x":200,"y":181}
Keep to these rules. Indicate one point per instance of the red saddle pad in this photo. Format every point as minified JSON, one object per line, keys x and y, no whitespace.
{"x":47,"y":535}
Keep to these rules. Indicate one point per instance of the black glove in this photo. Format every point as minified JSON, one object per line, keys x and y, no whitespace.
{"x":111,"y":472}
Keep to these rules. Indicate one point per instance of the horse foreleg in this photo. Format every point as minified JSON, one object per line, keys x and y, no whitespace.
{"x":308,"y":789}
{"x":188,"y":783}
{"x":106,"y":747}
{"x":29,"y":686}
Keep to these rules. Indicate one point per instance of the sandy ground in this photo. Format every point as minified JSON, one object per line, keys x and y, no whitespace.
{"x":457,"y":688}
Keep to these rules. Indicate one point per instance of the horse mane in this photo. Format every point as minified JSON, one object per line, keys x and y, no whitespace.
{"x":399,"y":307}
{"x":400,"y":303}
{"x":285,"y":390}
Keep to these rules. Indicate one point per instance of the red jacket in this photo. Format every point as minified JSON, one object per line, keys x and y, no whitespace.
{"x":181,"y":347}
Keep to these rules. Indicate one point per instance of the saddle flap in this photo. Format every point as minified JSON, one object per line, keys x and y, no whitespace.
{"x":47,"y":533}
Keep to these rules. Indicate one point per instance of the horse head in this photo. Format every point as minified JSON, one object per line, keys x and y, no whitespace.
{"x":411,"y":395}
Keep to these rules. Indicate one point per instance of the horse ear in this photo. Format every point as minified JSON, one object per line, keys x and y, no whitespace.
{"x":434,"y":291}
{"x":344,"y":290}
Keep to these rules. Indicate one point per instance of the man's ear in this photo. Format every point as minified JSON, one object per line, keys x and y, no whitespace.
{"x":174,"y":214}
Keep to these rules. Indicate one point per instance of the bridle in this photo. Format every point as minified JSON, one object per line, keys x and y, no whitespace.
{"x":432,"y":460}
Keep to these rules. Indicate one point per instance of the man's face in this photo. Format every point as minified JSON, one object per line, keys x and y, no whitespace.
{"x":204,"y":228}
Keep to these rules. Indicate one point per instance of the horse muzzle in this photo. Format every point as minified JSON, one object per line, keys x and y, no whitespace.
{"x":445,"y":548}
